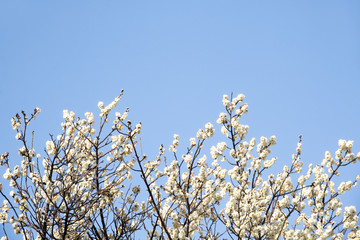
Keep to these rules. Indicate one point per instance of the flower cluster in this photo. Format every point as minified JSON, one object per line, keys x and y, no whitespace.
{"x":82,"y":185}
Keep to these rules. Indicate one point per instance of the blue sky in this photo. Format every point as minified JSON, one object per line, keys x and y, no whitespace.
{"x":297,"y":62}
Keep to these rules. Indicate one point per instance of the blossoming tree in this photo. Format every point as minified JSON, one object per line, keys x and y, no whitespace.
{"x":81,"y":186}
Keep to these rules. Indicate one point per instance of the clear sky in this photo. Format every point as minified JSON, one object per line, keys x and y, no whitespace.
{"x":297,"y":62}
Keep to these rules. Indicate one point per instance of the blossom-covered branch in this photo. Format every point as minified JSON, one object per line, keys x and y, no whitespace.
{"x":82,"y":185}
